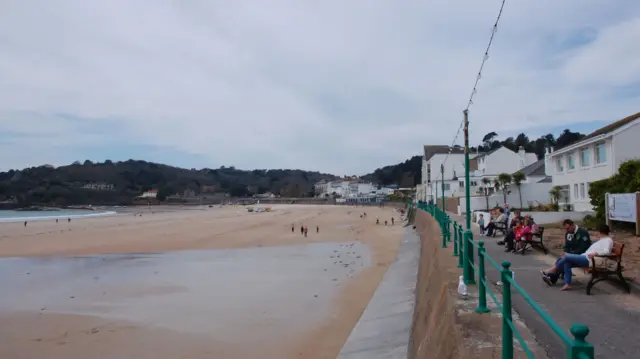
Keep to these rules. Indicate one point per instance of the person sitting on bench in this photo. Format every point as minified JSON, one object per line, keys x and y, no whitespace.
{"x":514,"y":241}
{"x":576,"y":241}
{"x":601,"y":247}
{"x":510,"y":235}
{"x":492,"y":225}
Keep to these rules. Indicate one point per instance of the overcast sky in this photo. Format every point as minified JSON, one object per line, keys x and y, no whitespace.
{"x":336,"y":86}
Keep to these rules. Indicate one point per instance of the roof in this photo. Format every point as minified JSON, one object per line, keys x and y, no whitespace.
{"x":431,"y":150}
{"x":599,"y":132}
{"x":488,"y":153}
{"x":612,"y":126}
{"x":547,"y":179}
{"x":535,"y":169}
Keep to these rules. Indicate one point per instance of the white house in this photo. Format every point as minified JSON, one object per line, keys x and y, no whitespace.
{"x":503,"y":160}
{"x":482,"y":165}
{"x":432,"y":159}
{"x":595,"y":157}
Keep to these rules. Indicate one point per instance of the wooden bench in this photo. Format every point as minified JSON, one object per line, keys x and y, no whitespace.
{"x":610,"y":270}
{"x":500,"y":226}
{"x":537,"y":240}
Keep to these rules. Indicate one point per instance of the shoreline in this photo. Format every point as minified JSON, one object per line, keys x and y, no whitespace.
{"x":348,"y":287}
{"x":56,"y":215}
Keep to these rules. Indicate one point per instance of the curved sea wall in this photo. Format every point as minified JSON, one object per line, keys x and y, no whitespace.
{"x":435,"y":332}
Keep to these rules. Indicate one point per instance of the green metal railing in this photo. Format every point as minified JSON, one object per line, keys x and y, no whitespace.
{"x":576,"y":347}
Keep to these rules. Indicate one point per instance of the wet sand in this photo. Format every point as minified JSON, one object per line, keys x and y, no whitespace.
{"x":215,"y":283}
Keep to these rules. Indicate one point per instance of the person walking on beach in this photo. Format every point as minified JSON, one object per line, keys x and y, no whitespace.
{"x":25,"y":223}
{"x":301,"y":229}
{"x":56,"y":220}
{"x":385,"y":223}
{"x":293,"y":228}
{"x":69,"y":220}
{"x":306,"y":230}
{"x":377,"y":220}
{"x":317,"y":229}
{"x":393,"y":221}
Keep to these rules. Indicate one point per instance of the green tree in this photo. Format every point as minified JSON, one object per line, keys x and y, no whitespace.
{"x":488,"y":138}
{"x":504,"y":180}
{"x":555,"y":194}
{"x":517,"y":179}
{"x":162,"y":194}
{"x":487,"y":183}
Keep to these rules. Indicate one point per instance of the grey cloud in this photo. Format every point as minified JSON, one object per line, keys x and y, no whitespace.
{"x":340,"y":86}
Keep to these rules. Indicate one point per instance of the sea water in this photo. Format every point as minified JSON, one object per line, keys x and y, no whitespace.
{"x":20,"y":216}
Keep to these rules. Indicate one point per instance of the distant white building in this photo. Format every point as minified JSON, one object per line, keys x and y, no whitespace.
{"x":153,"y":193}
{"x":351,"y":189}
{"x":596,"y":157}
{"x":99,"y":186}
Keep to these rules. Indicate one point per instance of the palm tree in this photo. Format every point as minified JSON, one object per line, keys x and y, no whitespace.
{"x":486,"y":182}
{"x":517,"y":179}
{"x":504,"y":179}
{"x":555,"y":193}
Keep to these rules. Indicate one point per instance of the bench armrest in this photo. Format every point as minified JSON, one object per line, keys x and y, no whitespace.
{"x":607,"y":256}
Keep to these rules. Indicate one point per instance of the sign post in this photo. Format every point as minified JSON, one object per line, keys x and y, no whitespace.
{"x":623,"y":207}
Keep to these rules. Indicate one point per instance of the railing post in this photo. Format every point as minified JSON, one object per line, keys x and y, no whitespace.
{"x":467,"y":269}
{"x":460,"y":250}
{"x":579,"y":345}
{"x":482,"y":290}
{"x":507,"y":332}
{"x":455,"y":238}
{"x":444,"y":231}
{"x":447,"y":227}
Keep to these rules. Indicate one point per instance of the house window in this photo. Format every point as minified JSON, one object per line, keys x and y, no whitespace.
{"x":601,"y":153}
{"x":571,"y":163}
{"x":583,"y":192}
{"x":584,"y":157}
{"x":575,"y":191}
{"x":461,"y":184}
{"x":559,"y":165}
{"x":474,"y":183}
{"x":447,"y":186}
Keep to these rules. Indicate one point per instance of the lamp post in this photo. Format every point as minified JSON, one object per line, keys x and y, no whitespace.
{"x":467,"y":272}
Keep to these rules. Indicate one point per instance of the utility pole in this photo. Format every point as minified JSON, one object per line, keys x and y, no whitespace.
{"x":469,"y":277}
{"x":444,"y":210}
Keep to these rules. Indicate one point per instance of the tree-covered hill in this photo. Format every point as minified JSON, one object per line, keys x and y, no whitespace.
{"x":66,"y":184}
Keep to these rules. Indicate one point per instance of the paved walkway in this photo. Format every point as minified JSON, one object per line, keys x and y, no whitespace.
{"x":612,"y":315}
{"x":384,"y":329}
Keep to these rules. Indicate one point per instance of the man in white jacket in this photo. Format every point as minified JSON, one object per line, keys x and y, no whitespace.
{"x":601,"y":247}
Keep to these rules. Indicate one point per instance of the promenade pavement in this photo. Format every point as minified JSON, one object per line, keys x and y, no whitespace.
{"x":613,"y":316}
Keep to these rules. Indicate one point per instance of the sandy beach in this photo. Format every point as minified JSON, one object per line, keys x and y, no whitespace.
{"x":196,"y":283}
